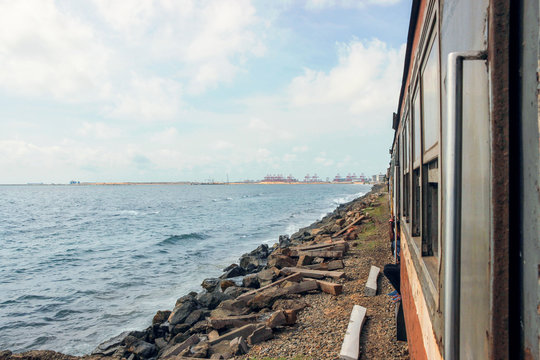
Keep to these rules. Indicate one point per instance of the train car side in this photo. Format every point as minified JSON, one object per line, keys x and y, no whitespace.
{"x":463,"y":180}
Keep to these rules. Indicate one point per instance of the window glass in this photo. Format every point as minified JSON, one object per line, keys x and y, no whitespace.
{"x":406,"y":145}
{"x":430,"y":97}
{"x":416,"y":128}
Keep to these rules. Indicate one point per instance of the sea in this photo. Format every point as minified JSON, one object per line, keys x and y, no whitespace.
{"x":80,"y":264}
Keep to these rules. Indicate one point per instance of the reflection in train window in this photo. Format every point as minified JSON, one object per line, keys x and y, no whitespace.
{"x":405,"y":165}
{"x":416,"y":209}
{"x":430,"y":244}
{"x":416,"y":129}
{"x":430,"y":97}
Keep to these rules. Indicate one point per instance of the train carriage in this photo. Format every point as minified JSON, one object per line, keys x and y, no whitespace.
{"x":463,"y":180}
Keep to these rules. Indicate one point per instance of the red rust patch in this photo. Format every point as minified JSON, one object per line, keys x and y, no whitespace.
{"x":414,"y":331}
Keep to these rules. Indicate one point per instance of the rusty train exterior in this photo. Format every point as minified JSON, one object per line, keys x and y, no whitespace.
{"x":463,"y":180}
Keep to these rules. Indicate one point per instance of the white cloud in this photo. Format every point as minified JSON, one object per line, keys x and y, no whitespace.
{"x":70,"y":54}
{"x":324,"y":4}
{"x":259,"y":125}
{"x":289,"y":157}
{"x":300,"y":149}
{"x":208,"y":40}
{"x":98,"y":130}
{"x":44,"y":51}
{"x":365,"y":81}
{"x":148,"y":99}
{"x":322,"y":160}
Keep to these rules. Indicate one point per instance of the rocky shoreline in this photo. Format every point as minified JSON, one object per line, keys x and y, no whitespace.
{"x":252,"y":302}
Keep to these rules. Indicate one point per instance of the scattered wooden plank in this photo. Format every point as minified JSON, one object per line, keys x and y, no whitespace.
{"x":371,"y":283}
{"x":244,"y":331}
{"x":322,"y":253}
{"x":321,"y":266}
{"x":302,"y":286}
{"x":317,"y":246}
{"x":304,"y":260}
{"x":330,"y":288}
{"x":232,"y":321}
{"x":250,"y":294}
{"x":317,"y":274}
{"x":350,"y":348}
{"x":362,"y":217}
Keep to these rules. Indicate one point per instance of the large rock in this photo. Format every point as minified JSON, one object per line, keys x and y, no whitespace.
{"x":161,"y":317}
{"x":238,"y":346}
{"x":230,"y":307}
{"x":281,"y":261}
{"x":284,"y":241}
{"x":251,"y":264}
{"x":234,"y":272}
{"x":224,"y":284}
{"x":276,"y":319}
{"x":212,"y":300}
{"x":140,"y":348}
{"x":260,"y":252}
{"x":235,"y":291}
{"x":260,"y":334}
{"x":251,"y":281}
{"x":200,"y":350}
{"x":108,"y":347}
{"x":202,"y":326}
{"x":210,"y":284}
{"x":189,"y":297}
{"x":182,"y":311}
{"x":194,"y":316}
{"x":230,"y":267}
{"x":267,"y":276}
{"x":176,"y":349}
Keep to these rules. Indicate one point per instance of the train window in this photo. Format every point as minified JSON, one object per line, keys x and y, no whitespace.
{"x":416,"y":207}
{"x":430,"y":187}
{"x":406,"y":145}
{"x":430,"y":97}
{"x":405,"y":165}
{"x":416,"y":129}
{"x":430,"y":132}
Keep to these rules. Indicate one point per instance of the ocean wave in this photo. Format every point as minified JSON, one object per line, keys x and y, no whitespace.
{"x":174,"y":239}
{"x":346,"y":199}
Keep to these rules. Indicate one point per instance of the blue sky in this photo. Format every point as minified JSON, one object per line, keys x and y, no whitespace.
{"x":142,"y":90}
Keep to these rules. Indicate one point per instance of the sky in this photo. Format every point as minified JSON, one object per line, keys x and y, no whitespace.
{"x":192,"y":90}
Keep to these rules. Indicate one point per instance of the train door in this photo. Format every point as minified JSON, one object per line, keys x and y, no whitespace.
{"x":463,"y":30}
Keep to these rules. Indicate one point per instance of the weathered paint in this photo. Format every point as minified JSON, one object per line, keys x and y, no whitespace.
{"x":420,"y":335}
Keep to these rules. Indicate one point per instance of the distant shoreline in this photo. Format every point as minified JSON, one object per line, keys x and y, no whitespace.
{"x":199,"y":183}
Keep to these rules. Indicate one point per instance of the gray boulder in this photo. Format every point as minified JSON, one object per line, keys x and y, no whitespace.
{"x":234,"y":291}
{"x":108,"y":347}
{"x":210,"y":284}
{"x":260,"y":252}
{"x":234,"y":272}
{"x":284,"y":241}
{"x":142,"y":349}
{"x":211,"y":300}
{"x":251,"y":281}
{"x":251,"y":263}
{"x":181,"y":311}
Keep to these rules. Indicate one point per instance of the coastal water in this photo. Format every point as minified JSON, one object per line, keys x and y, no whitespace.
{"x":80,"y":264}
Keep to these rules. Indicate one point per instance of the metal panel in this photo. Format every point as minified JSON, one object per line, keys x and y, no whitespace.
{"x":463,"y":28}
{"x":530,"y":193}
{"x":476,"y":203}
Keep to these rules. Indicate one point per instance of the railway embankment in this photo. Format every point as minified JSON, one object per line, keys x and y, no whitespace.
{"x":292,"y":300}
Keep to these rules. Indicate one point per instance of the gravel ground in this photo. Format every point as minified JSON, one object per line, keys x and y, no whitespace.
{"x":320,"y":328}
